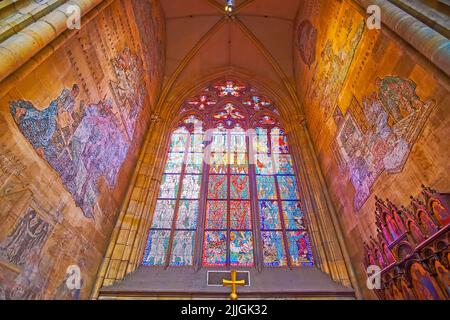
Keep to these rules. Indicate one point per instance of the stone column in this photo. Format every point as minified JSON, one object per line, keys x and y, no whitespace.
{"x":129,"y":236}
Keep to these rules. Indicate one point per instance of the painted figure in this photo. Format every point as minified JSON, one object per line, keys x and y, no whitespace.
{"x":29,"y":234}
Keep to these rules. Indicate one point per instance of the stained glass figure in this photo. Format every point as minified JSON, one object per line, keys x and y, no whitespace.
{"x":219,"y":179}
{"x":169,"y":186}
{"x":279,"y":142}
{"x":194,"y":163}
{"x":178,"y":142}
{"x":241,"y":248}
{"x":174,"y":162}
{"x":264,"y":164}
{"x":183,"y":248}
{"x":216,"y":218}
{"x":293,"y":215}
{"x":219,"y":163}
{"x":240,"y":187}
{"x":283,"y":164}
{"x":196,"y":143}
{"x":266,"y":187}
{"x":238,"y":163}
{"x":218,"y":188}
{"x":240,"y":215}
{"x":188,"y":214}
{"x":191,"y":187}
{"x":215,"y":249}
{"x":299,"y":248}
{"x":274,"y":254}
{"x":155,"y":253}
{"x":270,"y":215}
{"x":288,"y":187}
{"x":163,"y":215}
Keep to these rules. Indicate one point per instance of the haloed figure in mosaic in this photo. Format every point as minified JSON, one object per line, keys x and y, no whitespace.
{"x":239,"y":158}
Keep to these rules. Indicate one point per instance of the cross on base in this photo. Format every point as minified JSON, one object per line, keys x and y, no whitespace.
{"x":233,"y":283}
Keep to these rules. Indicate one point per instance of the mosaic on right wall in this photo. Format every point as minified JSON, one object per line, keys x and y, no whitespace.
{"x":378,"y":114}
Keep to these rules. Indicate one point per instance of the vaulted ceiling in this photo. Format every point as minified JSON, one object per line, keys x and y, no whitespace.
{"x":257,"y":40}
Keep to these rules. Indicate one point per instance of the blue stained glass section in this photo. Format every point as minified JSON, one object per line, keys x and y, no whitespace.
{"x":187,"y":214}
{"x":288,"y":187}
{"x":155,"y":252}
{"x":270,"y":217}
{"x":264,"y":164}
{"x":183,"y":248}
{"x":274,"y":254}
{"x":266,"y":187}
{"x":294,"y":218}
{"x":163,"y":215}
{"x":299,"y":248}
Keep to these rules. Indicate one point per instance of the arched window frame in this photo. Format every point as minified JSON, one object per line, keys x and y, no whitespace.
{"x":252,"y":119}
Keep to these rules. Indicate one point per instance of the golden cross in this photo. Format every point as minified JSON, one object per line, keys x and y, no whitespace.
{"x":233,"y":283}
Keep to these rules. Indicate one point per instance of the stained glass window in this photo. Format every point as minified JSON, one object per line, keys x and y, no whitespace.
{"x":229,"y":188}
{"x":283,"y":229}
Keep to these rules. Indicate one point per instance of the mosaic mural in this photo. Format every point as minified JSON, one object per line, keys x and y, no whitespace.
{"x":129,"y":88}
{"x":394,"y":117}
{"x":85,"y":142}
{"x":335,"y":60}
{"x":307,"y":42}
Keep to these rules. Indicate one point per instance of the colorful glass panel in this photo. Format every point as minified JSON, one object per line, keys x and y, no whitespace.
{"x":270,"y":216}
{"x":218,"y":187}
{"x":266,"y":187}
{"x":219,"y":142}
{"x":219,"y":163}
{"x":238,"y":163}
{"x":238,"y":142}
{"x":174,"y":163}
{"x":274,"y":254}
{"x":163,"y":215}
{"x":187,"y":214}
{"x":279,"y":142}
{"x":194,"y":163}
{"x":264,"y":164}
{"x":240,"y":187}
{"x":196,"y":143}
{"x":191,"y":187}
{"x":216,"y":218}
{"x":179,"y":142}
{"x":215,"y":249}
{"x":283,"y":164}
{"x":293,"y":215}
{"x":299,"y":248}
{"x":183,"y":248}
{"x":288,"y":187}
{"x":261,"y":143}
{"x":155,"y":253}
{"x":240,"y":215}
{"x":241,"y":248}
{"x":169,"y":186}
